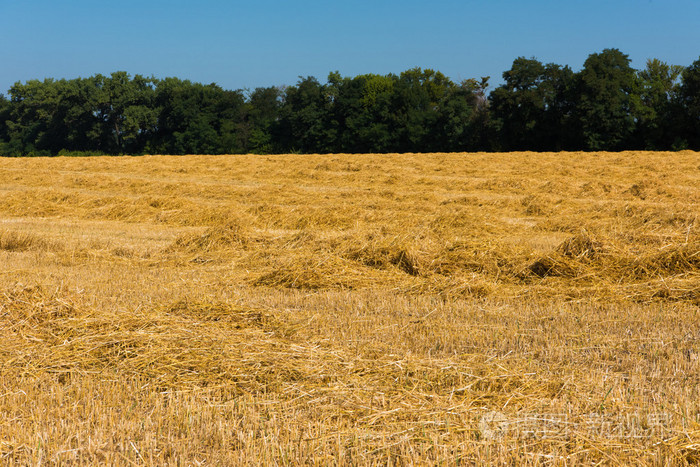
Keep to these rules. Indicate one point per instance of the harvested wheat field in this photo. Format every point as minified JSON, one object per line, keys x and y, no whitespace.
{"x":446,"y":309}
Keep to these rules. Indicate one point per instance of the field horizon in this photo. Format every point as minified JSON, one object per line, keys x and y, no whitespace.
{"x":351,"y":309}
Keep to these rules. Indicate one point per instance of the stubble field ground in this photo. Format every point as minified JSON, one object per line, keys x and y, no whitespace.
{"x":516,"y":308}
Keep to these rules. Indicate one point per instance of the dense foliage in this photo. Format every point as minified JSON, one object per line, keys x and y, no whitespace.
{"x":605,"y":106}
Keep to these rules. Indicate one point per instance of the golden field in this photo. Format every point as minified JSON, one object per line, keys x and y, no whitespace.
{"x":520,"y":308}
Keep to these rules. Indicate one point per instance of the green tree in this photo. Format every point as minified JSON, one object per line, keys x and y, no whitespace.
{"x":606,"y":103}
{"x":657,"y":108}
{"x":125,"y":109}
{"x":344,"y":95}
{"x":462,"y":116}
{"x":689,"y":101}
{"x":306,"y":123}
{"x":518,"y":106}
{"x":256,"y":132}
{"x":77,"y":126}
{"x":31,"y":125}
{"x":363,"y":110}
{"x":531,"y":110}
{"x":4,"y":118}
{"x":197,"y":119}
{"x":417,"y":97}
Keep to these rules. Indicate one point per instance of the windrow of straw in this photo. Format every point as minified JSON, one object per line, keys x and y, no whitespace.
{"x":12,"y":240}
{"x":591,"y":264}
{"x":672,"y":259}
{"x":381,"y":252}
{"x":325,"y":272}
{"x":583,"y":255}
{"x":190,"y":344}
{"x":182,"y":345}
{"x":498,"y":260}
{"x":230,"y":235}
{"x":573,"y":258}
{"x":350,"y":309}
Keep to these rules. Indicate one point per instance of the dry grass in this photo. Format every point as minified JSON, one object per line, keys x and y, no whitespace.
{"x":351,"y":309}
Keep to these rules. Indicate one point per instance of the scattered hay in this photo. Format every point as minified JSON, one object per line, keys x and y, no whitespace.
{"x":570,"y":259}
{"x":187,"y":344}
{"x":218,"y":312}
{"x":450,"y":287}
{"x":385,"y":253}
{"x":301,"y":238}
{"x":549,"y":266}
{"x":17,"y":241}
{"x":11,"y":240}
{"x":227,"y":236}
{"x":486,"y":258}
{"x":35,"y":306}
{"x":670,"y":260}
{"x":643,"y":189}
{"x":402,"y":368}
{"x":117,"y":208}
{"x":535,"y":205}
{"x":323,"y":272}
{"x":671,"y":272}
{"x":595,"y":189}
{"x":580,"y":246}
{"x":461,"y":218}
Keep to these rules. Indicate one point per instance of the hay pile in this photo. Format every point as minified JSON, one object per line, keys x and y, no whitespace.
{"x":232,"y":234}
{"x":669,"y":272}
{"x":12,"y":240}
{"x":383,"y":252}
{"x":185,"y":344}
{"x":324,"y":272}
{"x":573,"y":258}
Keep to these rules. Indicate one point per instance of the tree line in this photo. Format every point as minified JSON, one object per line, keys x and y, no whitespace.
{"x":607,"y":105}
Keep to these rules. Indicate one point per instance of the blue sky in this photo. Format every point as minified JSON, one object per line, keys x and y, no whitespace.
{"x":263,"y":43}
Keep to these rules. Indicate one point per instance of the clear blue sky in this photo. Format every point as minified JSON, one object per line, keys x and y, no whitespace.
{"x":264,"y":42}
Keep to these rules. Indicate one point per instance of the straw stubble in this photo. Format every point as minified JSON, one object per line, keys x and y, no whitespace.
{"x":514,"y":308}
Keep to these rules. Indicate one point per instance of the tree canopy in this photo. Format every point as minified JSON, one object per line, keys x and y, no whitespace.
{"x":607,"y":105}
